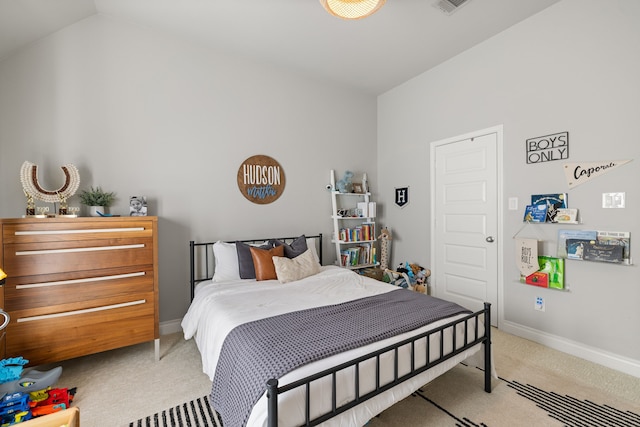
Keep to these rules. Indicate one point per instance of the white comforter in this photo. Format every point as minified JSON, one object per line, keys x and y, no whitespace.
{"x":219,"y":307}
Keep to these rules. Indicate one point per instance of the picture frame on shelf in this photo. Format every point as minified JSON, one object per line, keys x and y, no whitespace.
{"x":357,"y":188}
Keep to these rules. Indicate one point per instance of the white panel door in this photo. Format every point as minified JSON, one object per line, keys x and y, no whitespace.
{"x":465,"y":225}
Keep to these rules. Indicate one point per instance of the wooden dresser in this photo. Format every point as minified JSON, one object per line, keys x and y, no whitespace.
{"x":77,"y":286}
{"x":3,"y":318}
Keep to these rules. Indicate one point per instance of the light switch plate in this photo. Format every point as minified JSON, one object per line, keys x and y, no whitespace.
{"x":513,"y":203}
{"x":613,"y":200}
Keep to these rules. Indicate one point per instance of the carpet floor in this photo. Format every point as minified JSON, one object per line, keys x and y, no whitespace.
{"x":537,"y":386}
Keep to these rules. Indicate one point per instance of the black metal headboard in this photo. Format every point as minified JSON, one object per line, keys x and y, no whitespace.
{"x":202,"y":261}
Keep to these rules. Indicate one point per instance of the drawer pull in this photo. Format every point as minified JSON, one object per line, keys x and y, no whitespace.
{"x":66,"y":251}
{"x":6,"y":320}
{"x":97,"y":230}
{"x":88,"y":279}
{"x":86,"y":310}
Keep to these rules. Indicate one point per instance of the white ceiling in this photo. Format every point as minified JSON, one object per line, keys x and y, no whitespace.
{"x":402,"y":40}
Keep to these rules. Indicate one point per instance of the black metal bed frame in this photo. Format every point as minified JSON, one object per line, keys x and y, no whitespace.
{"x":273,"y":389}
{"x":206,"y":250}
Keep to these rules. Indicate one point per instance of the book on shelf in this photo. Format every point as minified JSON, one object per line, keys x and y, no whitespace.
{"x":553,"y":201}
{"x":354,"y":256}
{"x":363,"y":254}
{"x":617,"y":238}
{"x":554,"y":268}
{"x":550,"y":274}
{"x":344,"y":258}
{"x":576,"y":247}
{"x":592,"y":245}
{"x":369,"y":231}
{"x":372,"y":210}
{"x":566,"y":216}
{"x":535,"y":213}
{"x":602,"y":252}
{"x":564,"y":235}
{"x":538,"y":279}
{"x":364,"y":232}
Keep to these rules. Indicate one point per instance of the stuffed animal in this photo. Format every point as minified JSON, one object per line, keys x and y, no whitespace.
{"x":396,"y":278}
{"x":385,"y":238}
{"x":345,"y":185}
{"x":410,"y":276}
{"x":420,"y":288}
{"x":421,"y":274}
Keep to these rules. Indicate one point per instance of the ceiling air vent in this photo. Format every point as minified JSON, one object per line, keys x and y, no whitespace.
{"x":450,"y":6}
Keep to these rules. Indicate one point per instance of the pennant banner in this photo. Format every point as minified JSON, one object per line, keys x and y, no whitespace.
{"x":402,"y":196}
{"x":578,"y":173}
{"x":527,"y":256}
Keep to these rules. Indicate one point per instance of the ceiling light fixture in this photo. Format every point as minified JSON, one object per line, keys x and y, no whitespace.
{"x":352,"y":9}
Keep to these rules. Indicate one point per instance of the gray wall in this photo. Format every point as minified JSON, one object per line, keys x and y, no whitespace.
{"x":141,"y":113}
{"x":573,"y":67}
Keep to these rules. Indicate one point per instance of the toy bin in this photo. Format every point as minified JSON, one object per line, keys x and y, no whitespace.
{"x":67,"y":418}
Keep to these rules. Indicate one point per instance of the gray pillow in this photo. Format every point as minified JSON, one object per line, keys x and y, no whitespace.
{"x":245,"y":260}
{"x":295,"y":248}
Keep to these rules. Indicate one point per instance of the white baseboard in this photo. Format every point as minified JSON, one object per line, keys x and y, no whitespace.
{"x":592,"y":354}
{"x":170,"y":327}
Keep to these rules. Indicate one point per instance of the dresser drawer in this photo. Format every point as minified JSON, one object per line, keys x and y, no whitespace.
{"x":63,"y":291}
{"x":78,"y":229}
{"x":31,"y":259}
{"x":64,"y":335}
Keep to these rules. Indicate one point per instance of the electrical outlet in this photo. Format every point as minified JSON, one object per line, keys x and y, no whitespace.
{"x":539,"y":304}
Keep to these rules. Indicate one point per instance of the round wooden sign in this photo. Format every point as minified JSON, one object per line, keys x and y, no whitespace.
{"x":261,"y":179}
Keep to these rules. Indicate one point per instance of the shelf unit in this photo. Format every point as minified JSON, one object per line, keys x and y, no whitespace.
{"x":353,"y":234}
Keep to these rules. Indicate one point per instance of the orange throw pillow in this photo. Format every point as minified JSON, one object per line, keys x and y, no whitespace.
{"x":263,"y":262}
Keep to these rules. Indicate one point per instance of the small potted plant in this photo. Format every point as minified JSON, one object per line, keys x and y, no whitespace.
{"x":97,"y":200}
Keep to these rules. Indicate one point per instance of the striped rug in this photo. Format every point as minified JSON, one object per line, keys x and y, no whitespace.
{"x":196,"y":413}
{"x":567,"y":410}
{"x":450,"y":401}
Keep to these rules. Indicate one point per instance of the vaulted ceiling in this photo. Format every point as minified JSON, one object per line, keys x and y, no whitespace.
{"x":402,"y":40}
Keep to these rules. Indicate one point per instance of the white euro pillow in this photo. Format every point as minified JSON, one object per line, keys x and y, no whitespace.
{"x":226,"y":259}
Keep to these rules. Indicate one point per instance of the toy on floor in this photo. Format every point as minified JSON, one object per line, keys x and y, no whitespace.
{"x":11,"y":368}
{"x":408,"y":276}
{"x":14,"y":408}
{"x":54,"y":400}
{"x":48,"y":401}
{"x":13,"y":379}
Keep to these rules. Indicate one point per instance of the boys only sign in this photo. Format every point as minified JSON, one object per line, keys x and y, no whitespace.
{"x":547,"y":148}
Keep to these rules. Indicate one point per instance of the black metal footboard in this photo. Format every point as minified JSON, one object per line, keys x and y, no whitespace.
{"x":471,"y":338}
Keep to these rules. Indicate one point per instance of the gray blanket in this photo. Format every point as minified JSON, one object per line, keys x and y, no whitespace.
{"x":268,"y":348}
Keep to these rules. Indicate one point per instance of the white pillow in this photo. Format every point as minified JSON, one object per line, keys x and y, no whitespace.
{"x":289,"y":270}
{"x":311,"y":245}
{"x":226,"y":259}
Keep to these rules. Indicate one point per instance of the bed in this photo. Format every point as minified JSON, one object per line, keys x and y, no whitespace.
{"x":348,"y":383}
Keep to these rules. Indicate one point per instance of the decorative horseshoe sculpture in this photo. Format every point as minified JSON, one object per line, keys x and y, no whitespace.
{"x":31,"y":186}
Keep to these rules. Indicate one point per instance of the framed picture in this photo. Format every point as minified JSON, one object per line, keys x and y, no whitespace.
{"x":357,"y":187}
{"x":137,"y":206}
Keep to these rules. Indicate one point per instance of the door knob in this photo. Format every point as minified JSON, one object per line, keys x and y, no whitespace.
{"x":489,"y":239}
